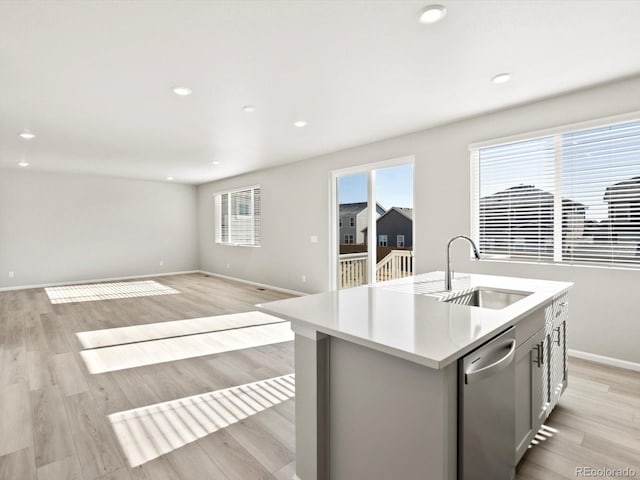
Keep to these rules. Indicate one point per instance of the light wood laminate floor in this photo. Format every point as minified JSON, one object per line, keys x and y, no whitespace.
{"x":54,"y":420}
{"x":54,"y":415}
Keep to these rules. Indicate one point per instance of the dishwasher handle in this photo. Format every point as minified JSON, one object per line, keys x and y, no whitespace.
{"x":471,"y":376}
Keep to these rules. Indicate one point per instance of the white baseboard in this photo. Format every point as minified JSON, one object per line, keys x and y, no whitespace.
{"x":96,"y":280}
{"x":614,"y":362}
{"x":249,"y":282}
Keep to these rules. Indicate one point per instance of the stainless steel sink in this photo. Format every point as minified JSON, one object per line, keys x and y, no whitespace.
{"x":483,"y":297}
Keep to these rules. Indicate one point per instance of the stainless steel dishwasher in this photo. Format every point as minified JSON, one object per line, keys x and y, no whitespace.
{"x":486,"y":411}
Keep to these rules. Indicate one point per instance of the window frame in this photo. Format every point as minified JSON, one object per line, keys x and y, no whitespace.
{"x":380,"y":240}
{"x":398,"y":237}
{"x":256,"y":226}
{"x":556,"y":132}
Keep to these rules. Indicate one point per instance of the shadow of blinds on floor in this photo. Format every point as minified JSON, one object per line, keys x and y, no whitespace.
{"x":149,"y":432}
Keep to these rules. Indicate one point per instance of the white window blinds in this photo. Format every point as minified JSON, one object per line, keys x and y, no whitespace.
{"x":571,"y":197}
{"x":238,"y":217}
{"x":601,"y":174}
{"x":516,"y":202}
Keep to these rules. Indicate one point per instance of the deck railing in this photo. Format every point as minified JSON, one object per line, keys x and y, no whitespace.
{"x":353,"y":267}
{"x":397,"y":264}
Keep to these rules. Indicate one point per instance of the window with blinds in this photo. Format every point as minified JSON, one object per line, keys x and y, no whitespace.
{"x":238,"y":217}
{"x":571,"y":197}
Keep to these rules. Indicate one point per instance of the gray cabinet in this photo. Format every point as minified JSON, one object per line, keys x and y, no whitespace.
{"x":531,"y":404}
{"x":541,"y":368}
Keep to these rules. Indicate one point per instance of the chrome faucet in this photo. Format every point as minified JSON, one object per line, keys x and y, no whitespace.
{"x":447,"y":273}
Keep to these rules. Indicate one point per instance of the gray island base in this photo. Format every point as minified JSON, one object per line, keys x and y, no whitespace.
{"x":378,"y":375}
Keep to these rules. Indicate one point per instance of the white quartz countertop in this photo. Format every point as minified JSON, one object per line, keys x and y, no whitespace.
{"x":403,"y":318}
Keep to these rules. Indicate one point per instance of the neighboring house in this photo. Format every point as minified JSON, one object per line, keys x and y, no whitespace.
{"x":519,"y":220}
{"x":394,"y":229}
{"x":353,"y":217}
{"x":623,"y":199}
{"x":622,"y":229}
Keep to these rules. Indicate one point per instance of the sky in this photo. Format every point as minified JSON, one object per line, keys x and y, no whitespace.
{"x":394,"y":187}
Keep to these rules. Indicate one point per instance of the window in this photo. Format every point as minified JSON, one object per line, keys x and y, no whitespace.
{"x":571,"y":197}
{"x":356,"y":193}
{"x":238,"y":217}
{"x":399,"y":240}
{"x":383,"y":240}
{"x":348,"y":238}
{"x":340,"y":222}
{"x":352,"y":221}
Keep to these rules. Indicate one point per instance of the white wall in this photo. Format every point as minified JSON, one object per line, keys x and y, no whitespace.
{"x":58,"y":228}
{"x":605,"y":316}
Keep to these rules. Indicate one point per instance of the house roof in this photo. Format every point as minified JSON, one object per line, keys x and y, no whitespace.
{"x":523,"y":193}
{"x":355,"y":208}
{"x":624,"y":190}
{"x":406,"y":212}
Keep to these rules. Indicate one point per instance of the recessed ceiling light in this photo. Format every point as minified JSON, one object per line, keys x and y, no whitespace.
{"x":27,"y":135}
{"x":170,"y":179}
{"x":23,"y":164}
{"x":182,"y":91}
{"x":300,"y":123}
{"x":501,"y":78}
{"x":216,"y":163}
{"x":432,"y":14}
{"x":249,"y":108}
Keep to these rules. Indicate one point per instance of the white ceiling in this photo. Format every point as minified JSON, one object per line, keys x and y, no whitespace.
{"x":93,"y":79}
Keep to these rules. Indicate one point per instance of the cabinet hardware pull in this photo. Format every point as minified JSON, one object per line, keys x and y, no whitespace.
{"x":540,"y":359}
{"x":557,"y":329}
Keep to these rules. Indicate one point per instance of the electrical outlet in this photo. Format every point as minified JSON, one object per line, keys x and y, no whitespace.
{"x":228,"y":265}
{"x":11,"y":274}
{"x":314,"y":239}
{"x":304,"y":278}
{"x":162,"y":263}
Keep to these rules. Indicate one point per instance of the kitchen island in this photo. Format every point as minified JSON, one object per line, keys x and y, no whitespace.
{"x":377,"y":371}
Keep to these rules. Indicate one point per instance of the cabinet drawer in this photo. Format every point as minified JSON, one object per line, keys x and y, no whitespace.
{"x":560,"y":307}
{"x":529,"y":325}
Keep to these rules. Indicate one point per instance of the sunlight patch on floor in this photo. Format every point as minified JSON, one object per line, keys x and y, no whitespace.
{"x":107,"y":291}
{"x":120,"y":357}
{"x":149,"y":432}
{"x":545,"y":432}
{"x":155,"y":331}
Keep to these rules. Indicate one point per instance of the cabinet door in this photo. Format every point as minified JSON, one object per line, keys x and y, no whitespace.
{"x":540,"y":387}
{"x":530,"y":397}
{"x":558,"y":351}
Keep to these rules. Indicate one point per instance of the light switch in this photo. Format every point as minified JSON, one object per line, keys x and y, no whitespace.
{"x":314,"y":239}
